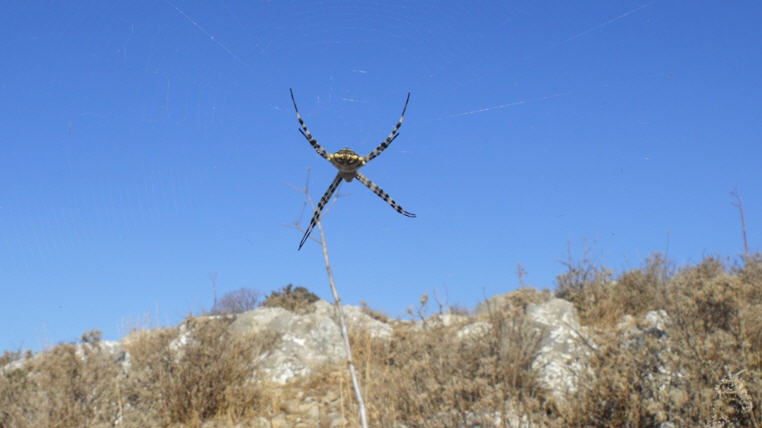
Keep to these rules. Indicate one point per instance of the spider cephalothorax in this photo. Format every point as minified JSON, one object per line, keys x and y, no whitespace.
{"x":348,"y":163}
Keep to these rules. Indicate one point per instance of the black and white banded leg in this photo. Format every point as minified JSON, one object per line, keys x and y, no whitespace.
{"x":381,"y":147}
{"x":324,"y":200}
{"x":348,"y":163}
{"x":381,"y":194}
{"x":306,"y":132}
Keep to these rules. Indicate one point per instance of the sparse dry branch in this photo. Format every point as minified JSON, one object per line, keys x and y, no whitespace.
{"x":739,"y":204}
{"x":339,"y":309}
{"x":237,"y":301}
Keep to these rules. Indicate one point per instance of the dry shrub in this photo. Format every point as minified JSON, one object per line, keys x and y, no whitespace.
{"x":751,"y":274}
{"x":449,"y":375}
{"x":9,"y":357}
{"x":751,"y":317}
{"x":601,"y":300}
{"x":373,"y":313}
{"x":65,"y":387}
{"x":750,"y":277}
{"x":706,"y":299}
{"x":211,"y":376}
{"x":710,"y":333}
{"x":627,"y":385}
{"x":733,"y":404}
{"x":236,"y":302}
{"x":587,"y":286}
{"x":638,"y":291}
{"x":299,"y":299}
{"x":167,"y":383}
{"x":91,"y":337}
{"x":458,"y":309}
{"x":682,"y":374}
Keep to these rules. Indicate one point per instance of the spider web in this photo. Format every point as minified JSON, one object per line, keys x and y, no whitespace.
{"x":148,"y":145}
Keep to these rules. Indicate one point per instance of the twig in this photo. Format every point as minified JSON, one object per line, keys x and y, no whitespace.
{"x":339,"y":310}
{"x":743,"y":224}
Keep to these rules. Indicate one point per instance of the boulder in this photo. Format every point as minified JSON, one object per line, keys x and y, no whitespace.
{"x":307,"y":341}
{"x":564,"y":351}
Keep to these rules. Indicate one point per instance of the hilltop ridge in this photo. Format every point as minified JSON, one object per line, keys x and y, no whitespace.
{"x":653,"y":346}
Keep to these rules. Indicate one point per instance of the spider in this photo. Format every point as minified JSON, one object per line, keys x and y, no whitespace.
{"x":348,"y":163}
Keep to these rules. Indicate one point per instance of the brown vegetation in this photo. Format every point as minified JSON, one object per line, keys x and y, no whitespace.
{"x":449,"y":375}
{"x":713,"y":340}
{"x":78,"y":386}
{"x":703,"y":368}
{"x":295,"y":299}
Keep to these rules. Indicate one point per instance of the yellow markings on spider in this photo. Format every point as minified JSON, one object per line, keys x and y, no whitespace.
{"x":348,"y":162}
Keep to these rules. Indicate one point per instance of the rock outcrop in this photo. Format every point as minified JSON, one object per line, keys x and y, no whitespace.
{"x":306,"y":341}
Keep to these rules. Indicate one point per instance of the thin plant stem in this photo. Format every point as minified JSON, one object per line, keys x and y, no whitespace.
{"x":340,"y":313}
{"x":344,"y":332}
{"x":743,"y":225}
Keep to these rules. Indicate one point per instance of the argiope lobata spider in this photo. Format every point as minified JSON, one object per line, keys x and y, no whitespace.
{"x":348,"y":163}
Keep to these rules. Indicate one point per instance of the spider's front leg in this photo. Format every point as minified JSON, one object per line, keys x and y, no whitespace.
{"x":381,"y":147}
{"x":306,"y":132}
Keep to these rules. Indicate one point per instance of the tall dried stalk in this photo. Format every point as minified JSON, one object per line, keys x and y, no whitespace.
{"x":339,"y":310}
{"x":743,"y":224}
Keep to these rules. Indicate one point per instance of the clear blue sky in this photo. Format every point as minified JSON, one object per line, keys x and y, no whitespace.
{"x":144,"y":145}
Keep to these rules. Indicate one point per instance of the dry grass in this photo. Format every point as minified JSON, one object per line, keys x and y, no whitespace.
{"x":208,"y":378}
{"x":711,"y":344}
{"x":59,"y":389}
{"x":437,"y":375}
{"x":703,"y":366}
{"x":602,"y":300}
{"x":73,"y":386}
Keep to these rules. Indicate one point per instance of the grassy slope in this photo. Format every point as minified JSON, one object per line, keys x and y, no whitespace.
{"x":430,"y":377}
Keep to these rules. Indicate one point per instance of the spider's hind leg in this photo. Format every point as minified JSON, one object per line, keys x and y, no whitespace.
{"x":383,"y":195}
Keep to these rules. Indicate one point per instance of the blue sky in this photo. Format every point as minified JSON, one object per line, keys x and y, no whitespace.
{"x":144,"y":145}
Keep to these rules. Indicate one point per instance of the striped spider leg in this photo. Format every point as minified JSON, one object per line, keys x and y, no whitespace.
{"x":381,"y":147}
{"x":348,"y":163}
{"x":381,"y":194}
{"x":324,"y":200}
{"x":306,"y":132}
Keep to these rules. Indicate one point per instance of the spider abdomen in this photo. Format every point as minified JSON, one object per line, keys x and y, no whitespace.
{"x":347,"y":162}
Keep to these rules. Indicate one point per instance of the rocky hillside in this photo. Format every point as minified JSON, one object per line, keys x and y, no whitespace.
{"x":654,"y":346}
